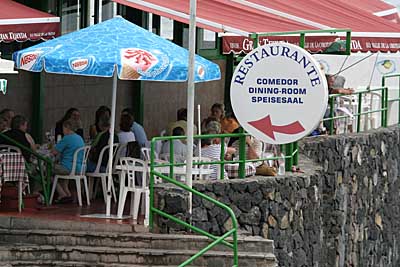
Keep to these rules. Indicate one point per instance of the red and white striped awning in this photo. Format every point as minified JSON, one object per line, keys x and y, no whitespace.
{"x":242,"y":17}
{"x":21,"y":23}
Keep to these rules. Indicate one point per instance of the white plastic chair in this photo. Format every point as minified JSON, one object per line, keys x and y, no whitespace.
{"x":8,"y":149}
{"x":203,"y":172}
{"x":103,"y":175}
{"x":146,"y":152}
{"x":76,"y":175}
{"x":117,"y":156}
{"x":130,"y":168}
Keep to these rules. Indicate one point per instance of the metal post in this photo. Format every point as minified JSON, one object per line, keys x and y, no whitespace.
{"x":222,"y":158}
{"x":111,"y":141}
{"x":383,"y":106}
{"x":296,"y":155}
{"x":171,"y":158}
{"x":190,"y":98}
{"x":359,"y":112}
{"x":302,"y":40}
{"x":331,"y":112}
{"x":151,"y":219}
{"x":348,"y":43}
{"x":242,"y":154}
{"x":78,"y":15}
{"x":100,"y":19}
{"x":288,"y":152}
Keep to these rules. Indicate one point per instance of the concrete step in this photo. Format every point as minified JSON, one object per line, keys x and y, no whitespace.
{"x":112,"y":255}
{"x":49,"y":263}
{"x":7,"y":222}
{"x":128,"y":240}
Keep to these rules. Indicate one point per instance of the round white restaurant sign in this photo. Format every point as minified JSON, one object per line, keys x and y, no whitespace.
{"x":278,"y":93}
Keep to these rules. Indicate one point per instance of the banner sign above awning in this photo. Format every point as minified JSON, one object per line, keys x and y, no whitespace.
{"x":314,"y":44}
{"x":32,"y":32}
{"x":21,"y":23}
{"x":239,"y":44}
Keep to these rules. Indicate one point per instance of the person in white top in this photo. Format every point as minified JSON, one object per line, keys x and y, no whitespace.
{"x":125,"y":135}
{"x":179,"y":147}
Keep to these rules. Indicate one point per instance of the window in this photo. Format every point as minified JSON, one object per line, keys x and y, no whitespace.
{"x":107,"y":10}
{"x":166,"y":28}
{"x":70,"y":15}
{"x":208,"y":40}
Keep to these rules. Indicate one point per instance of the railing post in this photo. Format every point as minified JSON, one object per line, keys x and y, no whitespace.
{"x":288,"y":161}
{"x":296,"y":155}
{"x":331,"y":114}
{"x":151,"y":185}
{"x":222,"y":159}
{"x":171,"y":158}
{"x":386,"y":89}
{"x":383,"y":107}
{"x":242,"y":154}
{"x":359,"y":112}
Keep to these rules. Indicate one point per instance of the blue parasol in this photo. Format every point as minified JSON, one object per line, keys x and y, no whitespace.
{"x":114,"y":48}
{"x":96,"y":50}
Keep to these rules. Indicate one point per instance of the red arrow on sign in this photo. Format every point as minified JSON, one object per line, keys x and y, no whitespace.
{"x":265,"y":125}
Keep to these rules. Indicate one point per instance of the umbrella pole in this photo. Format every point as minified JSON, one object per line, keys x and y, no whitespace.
{"x":110,"y":151}
{"x":190,"y":98}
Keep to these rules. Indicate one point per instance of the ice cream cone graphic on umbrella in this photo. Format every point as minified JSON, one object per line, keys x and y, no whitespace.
{"x":135,"y":61}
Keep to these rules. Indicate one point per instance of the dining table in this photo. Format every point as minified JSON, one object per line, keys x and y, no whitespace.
{"x":12,"y":169}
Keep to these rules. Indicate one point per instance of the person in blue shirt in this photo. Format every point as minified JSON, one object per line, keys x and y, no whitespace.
{"x":65,"y":149}
{"x":137,"y":129}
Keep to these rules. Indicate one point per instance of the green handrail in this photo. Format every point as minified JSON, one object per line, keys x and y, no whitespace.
{"x":383,"y":110}
{"x":45,"y":179}
{"x":384,"y":78}
{"x":217,"y":240}
{"x":171,"y":164}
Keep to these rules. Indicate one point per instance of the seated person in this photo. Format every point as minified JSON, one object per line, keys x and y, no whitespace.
{"x":229,"y":123}
{"x":254,"y":151}
{"x":179,"y":147}
{"x":180,"y":122}
{"x":74,"y":115}
{"x":137,"y":129}
{"x":101,"y":140}
{"x":125,"y":135}
{"x":334,"y":89}
{"x":19,"y":126}
{"x":94,"y":128}
{"x":66,"y":149}
{"x":8,"y":115}
{"x":3,"y":125}
{"x":211,"y":148}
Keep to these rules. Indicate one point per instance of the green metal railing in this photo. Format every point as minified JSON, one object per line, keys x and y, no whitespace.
{"x":171,"y":164}
{"x":45,"y":172}
{"x":384,"y":78}
{"x":216,"y":239}
{"x":383,"y":109}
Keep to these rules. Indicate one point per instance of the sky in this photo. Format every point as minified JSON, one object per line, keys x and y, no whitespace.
{"x":393,"y":2}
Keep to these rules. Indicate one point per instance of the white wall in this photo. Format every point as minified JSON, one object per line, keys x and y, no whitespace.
{"x":368,"y":71}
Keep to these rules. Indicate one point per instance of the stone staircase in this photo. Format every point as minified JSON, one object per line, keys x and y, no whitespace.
{"x":37,"y":242}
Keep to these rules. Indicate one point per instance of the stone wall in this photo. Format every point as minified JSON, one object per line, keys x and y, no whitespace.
{"x":343,"y":211}
{"x":361,"y":196}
